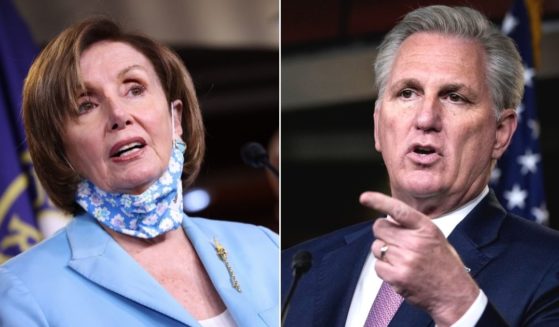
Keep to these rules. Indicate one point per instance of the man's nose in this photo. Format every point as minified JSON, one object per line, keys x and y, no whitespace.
{"x":429,"y":115}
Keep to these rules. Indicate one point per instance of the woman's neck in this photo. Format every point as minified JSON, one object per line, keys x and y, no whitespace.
{"x":135,"y":246}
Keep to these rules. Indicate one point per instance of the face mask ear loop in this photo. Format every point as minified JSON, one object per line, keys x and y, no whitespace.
{"x":173,"y":124}
{"x":175,"y":139}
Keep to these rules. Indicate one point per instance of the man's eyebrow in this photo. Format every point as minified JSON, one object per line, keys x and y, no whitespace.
{"x":128,"y":69}
{"x":405,"y":83}
{"x":463,"y":88}
{"x":455,"y":87}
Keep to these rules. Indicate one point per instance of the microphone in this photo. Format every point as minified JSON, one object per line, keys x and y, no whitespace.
{"x":302,"y":262}
{"x":254,"y":155}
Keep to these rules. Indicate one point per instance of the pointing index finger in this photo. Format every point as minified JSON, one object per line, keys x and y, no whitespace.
{"x":403,"y":214}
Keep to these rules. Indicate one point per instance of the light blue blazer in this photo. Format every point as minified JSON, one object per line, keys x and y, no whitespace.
{"x":82,"y":277}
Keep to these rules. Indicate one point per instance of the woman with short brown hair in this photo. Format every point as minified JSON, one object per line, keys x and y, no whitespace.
{"x":115,"y":132}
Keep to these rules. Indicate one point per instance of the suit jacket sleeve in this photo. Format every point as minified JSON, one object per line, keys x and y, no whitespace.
{"x":544,"y":308}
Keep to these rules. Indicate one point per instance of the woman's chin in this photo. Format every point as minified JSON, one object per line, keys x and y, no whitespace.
{"x":136,"y":184}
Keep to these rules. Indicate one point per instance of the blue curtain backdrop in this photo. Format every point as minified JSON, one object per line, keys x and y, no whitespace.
{"x":20,"y":202}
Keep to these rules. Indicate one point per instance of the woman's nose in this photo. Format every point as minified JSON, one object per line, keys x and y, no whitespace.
{"x":118,"y":116}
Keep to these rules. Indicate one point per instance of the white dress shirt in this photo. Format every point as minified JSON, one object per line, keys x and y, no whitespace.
{"x":223,"y":319}
{"x":369,"y":283}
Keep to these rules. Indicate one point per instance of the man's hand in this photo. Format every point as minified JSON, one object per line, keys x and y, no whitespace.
{"x":419,"y":262}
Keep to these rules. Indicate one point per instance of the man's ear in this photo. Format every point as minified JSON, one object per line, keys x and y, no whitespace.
{"x":377,"y":126}
{"x":176,"y":107}
{"x":506,"y":125}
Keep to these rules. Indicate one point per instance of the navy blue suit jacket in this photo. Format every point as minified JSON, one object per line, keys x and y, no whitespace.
{"x":514,"y":261}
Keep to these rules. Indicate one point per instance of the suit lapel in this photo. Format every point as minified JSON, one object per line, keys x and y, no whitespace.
{"x":480,"y":228}
{"x":240,"y":304}
{"x":338,"y":273}
{"x":98,"y":258}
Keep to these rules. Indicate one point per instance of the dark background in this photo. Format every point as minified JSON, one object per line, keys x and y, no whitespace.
{"x":238,"y":92}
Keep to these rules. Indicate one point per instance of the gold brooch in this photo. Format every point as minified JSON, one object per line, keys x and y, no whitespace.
{"x":222,"y":254}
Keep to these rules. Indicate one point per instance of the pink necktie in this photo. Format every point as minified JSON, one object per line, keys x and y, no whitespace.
{"x":384,"y":308}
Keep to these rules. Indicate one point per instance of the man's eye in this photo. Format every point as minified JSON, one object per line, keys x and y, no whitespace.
{"x":406,"y":94}
{"x":453,"y":97}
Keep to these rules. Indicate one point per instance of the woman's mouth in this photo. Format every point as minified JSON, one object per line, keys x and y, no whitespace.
{"x":128,"y":149}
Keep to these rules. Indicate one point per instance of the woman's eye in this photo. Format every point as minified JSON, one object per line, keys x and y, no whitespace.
{"x":85,"y":107}
{"x":136,"y":90}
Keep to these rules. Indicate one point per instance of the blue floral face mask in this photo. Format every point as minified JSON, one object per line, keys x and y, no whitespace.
{"x":154,"y":212}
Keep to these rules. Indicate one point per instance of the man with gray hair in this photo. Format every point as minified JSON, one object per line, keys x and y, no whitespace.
{"x":447,"y":253}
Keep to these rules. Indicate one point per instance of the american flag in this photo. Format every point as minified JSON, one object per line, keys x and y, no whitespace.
{"x":518,"y":177}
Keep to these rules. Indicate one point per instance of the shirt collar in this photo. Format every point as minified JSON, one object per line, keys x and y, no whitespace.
{"x":447,"y":222}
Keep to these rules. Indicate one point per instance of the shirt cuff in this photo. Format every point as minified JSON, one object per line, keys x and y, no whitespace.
{"x":471,"y":317}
